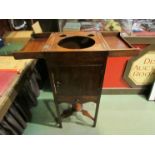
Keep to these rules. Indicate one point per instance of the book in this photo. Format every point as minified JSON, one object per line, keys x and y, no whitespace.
{"x":6,"y":77}
{"x":72,"y":26}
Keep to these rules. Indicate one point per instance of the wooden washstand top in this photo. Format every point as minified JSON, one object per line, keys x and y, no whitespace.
{"x":110,"y":42}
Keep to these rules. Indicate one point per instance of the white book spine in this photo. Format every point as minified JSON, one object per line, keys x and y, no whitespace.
{"x":152,"y":94}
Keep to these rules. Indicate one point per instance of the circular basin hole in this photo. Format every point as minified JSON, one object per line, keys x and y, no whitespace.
{"x":76,"y":42}
{"x":62,"y":35}
{"x":91,"y":35}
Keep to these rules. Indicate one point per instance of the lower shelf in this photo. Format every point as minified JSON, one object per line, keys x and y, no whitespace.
{"x":73,"y":99}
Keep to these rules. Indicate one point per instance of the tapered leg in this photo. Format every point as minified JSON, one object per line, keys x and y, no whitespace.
{"x":51,"y":77}
{"x":58,"y":114}
{"x":96,"y":113}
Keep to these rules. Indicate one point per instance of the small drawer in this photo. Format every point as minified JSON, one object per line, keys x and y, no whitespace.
{"x":81,"y":58}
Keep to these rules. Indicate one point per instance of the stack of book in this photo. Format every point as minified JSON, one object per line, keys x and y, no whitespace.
{"x":72,"y":26}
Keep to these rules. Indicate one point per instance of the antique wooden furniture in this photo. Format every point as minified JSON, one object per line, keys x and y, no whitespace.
{"x":76,"y":64}
{"x":16,"y":73}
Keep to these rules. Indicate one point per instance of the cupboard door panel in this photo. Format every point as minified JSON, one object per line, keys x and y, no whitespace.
{"x":78,"y":80}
